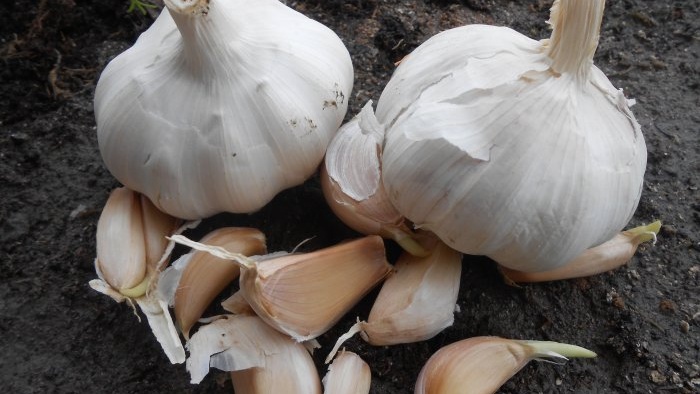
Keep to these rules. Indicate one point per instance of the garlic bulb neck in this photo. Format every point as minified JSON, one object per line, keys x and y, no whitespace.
{"x":574,"y":39}
{"x":185,"y":7}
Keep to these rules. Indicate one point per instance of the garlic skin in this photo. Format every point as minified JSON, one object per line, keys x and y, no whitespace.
{"x":261,"y":359}
{"x":248,"y":93}
{"x":516,"y":149}
{"x":481,"y":365}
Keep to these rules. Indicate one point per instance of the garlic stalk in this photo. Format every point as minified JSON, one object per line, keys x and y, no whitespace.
{"x":348,"y":374}
{"x":602,"y":258}
{"x":131,"y":251}
{"x":416,"y":302}
{"x":198,"y":277}
{"x":247,"y":93}
{"x":517,"y":149}
{"x":262,"y":360}
{"x":351,"y":182}
{"x":303,"y":295}
{"x":481,"y":365}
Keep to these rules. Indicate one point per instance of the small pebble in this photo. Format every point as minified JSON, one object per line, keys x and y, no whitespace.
{"x":657,"y":377}
{"x":685,"y":326}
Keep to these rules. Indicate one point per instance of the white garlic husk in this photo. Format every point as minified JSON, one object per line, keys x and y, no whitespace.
{"x":220,"y":105}
{"x":517,"y":149}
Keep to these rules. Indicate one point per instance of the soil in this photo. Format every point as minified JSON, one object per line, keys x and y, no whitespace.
{"x":59,"y":336}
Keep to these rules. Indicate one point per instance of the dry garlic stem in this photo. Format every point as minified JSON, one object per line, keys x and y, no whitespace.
{"x":303,"y":295}
{"x":205,"y":276}
{"x":416,"y":302}
{"x":602,"y":258}
{"x":262,"y":360}
{"x":348,"y":374}
{"x":481,"y":365}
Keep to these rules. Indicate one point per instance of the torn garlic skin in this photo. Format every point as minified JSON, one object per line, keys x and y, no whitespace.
{"x":132,"y":249}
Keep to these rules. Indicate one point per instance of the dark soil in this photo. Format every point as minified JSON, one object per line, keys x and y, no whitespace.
{"x":59,"y":336}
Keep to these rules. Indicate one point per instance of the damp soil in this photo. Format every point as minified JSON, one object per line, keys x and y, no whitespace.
{"x":59,"y":336}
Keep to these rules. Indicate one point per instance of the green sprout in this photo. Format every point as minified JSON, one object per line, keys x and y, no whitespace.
{"x":141,"y":6}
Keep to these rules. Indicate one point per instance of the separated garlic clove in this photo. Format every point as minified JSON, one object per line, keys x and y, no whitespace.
{"x":262,"y":360}
{"x":348,"y":374}
{"x":481,"y":365}
{"x":248,"y":93}
{"x":416,"y":302}
{"x":602,"y":258}
{"x":303,"y":295}
{"x":351,"y":182}
{"x":205,"y":276}
{"x":516,"y":149}
{"x":131,"y":242}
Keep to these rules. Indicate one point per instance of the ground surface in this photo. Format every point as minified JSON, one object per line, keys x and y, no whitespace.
{"x":58,"y":336}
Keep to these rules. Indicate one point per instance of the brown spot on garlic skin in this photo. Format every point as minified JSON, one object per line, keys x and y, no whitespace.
{"x":330,"y":103}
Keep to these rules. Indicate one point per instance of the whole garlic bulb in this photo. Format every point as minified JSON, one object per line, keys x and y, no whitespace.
{"x":221,"y":104}
{"x":517,"y":149}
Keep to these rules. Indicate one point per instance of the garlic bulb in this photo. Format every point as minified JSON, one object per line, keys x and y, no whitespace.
{"x":222,"y":104}
{"x":517,"y":149}
{"x":481,"y":365}
{"x":352,"y":185}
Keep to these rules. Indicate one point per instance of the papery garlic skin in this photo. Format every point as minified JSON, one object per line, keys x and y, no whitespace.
{"x":245,"y":93}
{"x":499,"y":153}
{"x":261,"y":359}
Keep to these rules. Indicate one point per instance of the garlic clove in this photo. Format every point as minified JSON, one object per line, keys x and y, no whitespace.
{"x":351,"y":182}
{"x":262,"y":360}
{"x":237,"y":304}
{"x":131,"y":242}
{"x":481,"y":365}
{"x":602,"y":258}
{"x":348,"y":374}
{"x":121,"y":249}
{"x":303,"y":295}
{"x":205,"y":276}
{"x":416,"y":302}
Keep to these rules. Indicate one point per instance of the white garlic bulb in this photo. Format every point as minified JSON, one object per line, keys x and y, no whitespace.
{"x":517,"y":149}
{"x":221,"y":104}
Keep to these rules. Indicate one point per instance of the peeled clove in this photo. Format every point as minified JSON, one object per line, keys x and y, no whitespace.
{"x":205,"y":276}
{"x":303,"y":295}
{"x":602,"y":258}
{"x":261,"y":359}
{"x":481,"y":365}
{"x":348,"y":374}
{"x":416,"y":302}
